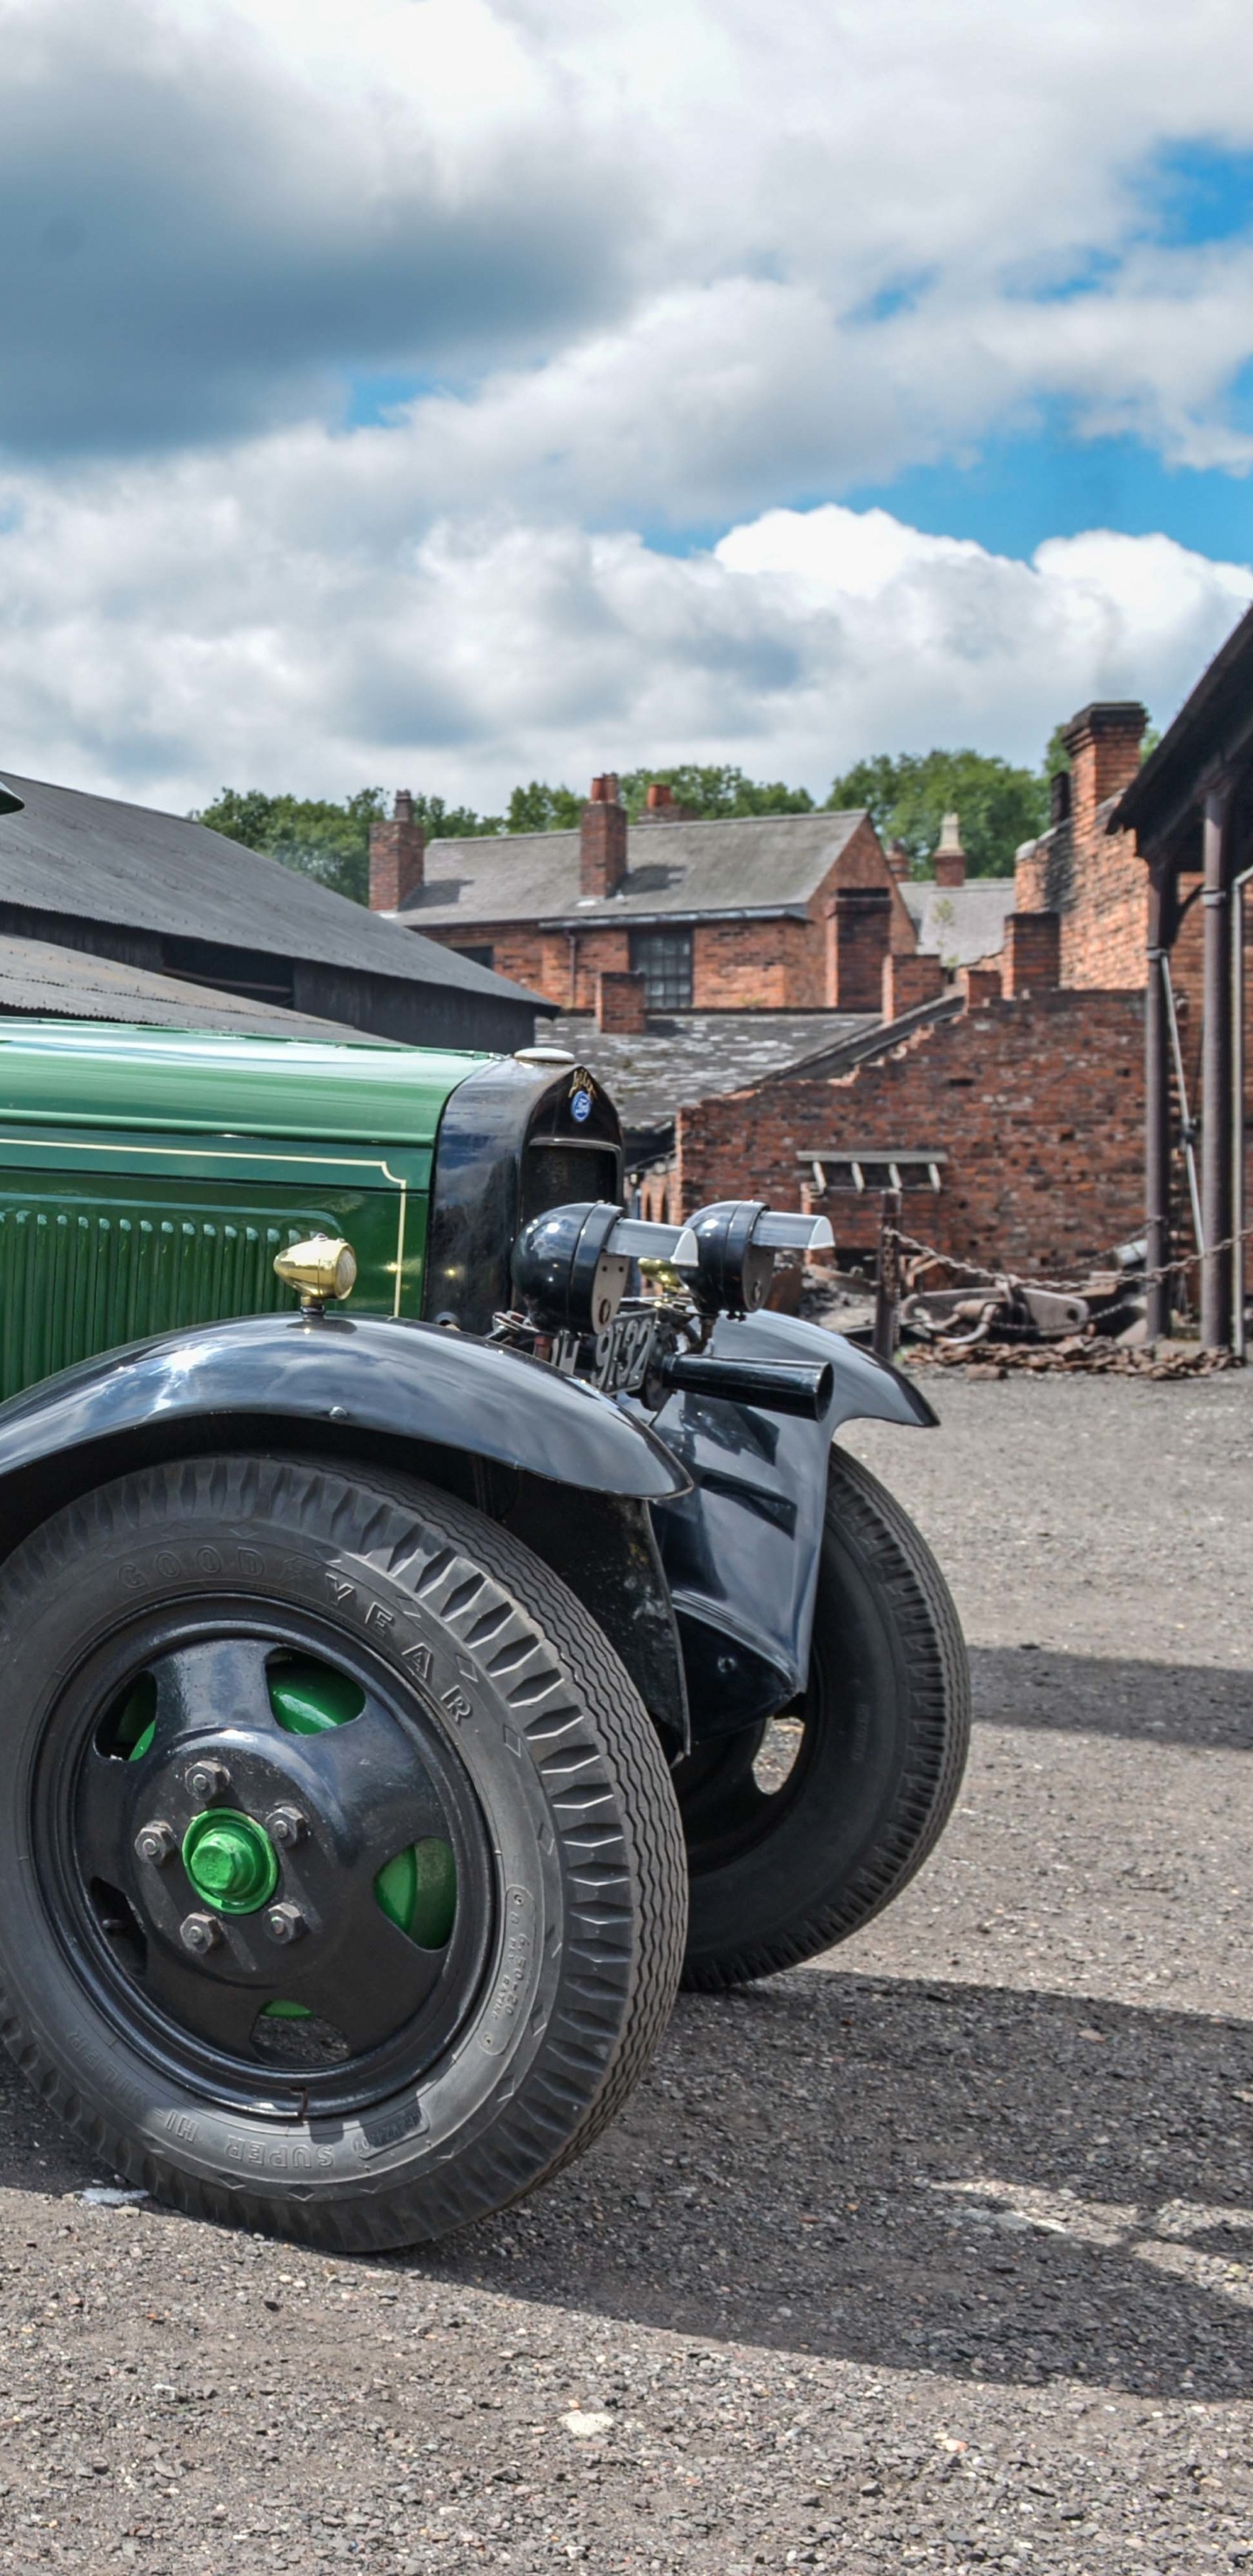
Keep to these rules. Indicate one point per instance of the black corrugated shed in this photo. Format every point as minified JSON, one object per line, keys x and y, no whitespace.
{"x":158,"y":892}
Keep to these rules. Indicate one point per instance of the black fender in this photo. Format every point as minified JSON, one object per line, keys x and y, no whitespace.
{"x":564,"y":1466}
{"x":741,"y":1548}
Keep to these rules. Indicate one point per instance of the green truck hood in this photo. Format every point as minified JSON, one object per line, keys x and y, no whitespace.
{"x":79,"y":1073}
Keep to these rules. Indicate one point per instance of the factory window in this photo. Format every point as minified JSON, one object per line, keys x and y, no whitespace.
{"x":664,"y":959}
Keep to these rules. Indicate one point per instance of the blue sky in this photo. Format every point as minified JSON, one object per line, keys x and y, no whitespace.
{"x":477,"y":389}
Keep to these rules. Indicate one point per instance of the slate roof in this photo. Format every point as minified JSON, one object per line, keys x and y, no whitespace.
{"x":961,"y":924}
{"x":759,"y":863}
{"x":101,"y":859}
{"x":697,"y":1054}
{"x":41,"y":981}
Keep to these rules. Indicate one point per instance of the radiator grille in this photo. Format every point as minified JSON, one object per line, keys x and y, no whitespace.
{"x":74,"y":1282}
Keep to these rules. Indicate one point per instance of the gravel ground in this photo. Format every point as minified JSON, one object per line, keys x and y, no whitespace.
{"x":933,"y":2256}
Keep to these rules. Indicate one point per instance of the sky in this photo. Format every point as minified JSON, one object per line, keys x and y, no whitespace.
{"x":444,"y":393}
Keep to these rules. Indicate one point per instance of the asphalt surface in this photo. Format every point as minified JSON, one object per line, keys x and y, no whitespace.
{"x":935,"y":2256}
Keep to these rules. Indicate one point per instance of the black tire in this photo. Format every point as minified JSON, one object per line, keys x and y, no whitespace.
{"x":780,"y":1873}
{"x":488,"y":1699}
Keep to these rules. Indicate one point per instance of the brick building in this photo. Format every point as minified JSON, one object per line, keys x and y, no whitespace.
{"x":635,"y":920}
{"x":783,"y":912}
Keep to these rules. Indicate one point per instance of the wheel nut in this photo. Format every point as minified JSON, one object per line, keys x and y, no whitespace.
{"x":286,"y":1922}
{"x":199,"y":1932}
{"x":208,"y":1779}
{"x":157,"y":1841}
{"x":286,"y":1827}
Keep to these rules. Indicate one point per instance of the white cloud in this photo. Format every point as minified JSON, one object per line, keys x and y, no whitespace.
{"x":738,"y":250}
{"x":285,"y":616}
{"x":652,"y":263}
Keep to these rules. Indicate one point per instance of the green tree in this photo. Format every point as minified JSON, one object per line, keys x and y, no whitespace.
{"x":326,"y":841}
{"x":540,"y":808}
{"x":909,"y":796}
{"x":714,"y":791}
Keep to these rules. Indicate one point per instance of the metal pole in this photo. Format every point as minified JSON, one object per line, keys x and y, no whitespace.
{"x":1216,"y":1266}
{"x":1237,"y":1111}
{"x":1156,"y":1126}
{"x":888,"y":1282}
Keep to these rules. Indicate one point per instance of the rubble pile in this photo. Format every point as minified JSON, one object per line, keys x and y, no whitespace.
{"x":1078,"y":1353}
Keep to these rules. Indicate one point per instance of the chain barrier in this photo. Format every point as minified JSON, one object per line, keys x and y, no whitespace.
{"x":1136,"y":1279}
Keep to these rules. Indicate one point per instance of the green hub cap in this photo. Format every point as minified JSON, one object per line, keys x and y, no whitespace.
{"x":230,"y":1860}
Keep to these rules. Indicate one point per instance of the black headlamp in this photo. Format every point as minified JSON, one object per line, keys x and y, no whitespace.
{"x":571,"y":1265}
{"x":736,"y":1241}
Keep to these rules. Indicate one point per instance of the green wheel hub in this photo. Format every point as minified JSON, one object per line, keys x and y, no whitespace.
{"x":230,"y":1860}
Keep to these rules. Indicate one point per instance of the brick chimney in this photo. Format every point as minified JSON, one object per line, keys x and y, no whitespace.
{"x":950,"y":858}
{"x":910,"y":981}
{"x":396,"y":853}
{"x":898,"y":860}
{"x":1104,"y":746}
{"x":859,"y":936}
{"x":621,"y":1004}
{"x":602,"y":840}
{"x":1032,"y":953}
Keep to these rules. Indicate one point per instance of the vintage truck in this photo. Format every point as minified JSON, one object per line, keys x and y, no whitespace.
{"x":401,"y":1696}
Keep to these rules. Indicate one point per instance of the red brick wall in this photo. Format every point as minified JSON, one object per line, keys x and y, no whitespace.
{"x":620,"y":1004}
{"x":517,"y":950}
{"x":909,"y":981}
{"x":757,"y":966}
{"x":1032,"y":952}
{"x":1038,"y":1104}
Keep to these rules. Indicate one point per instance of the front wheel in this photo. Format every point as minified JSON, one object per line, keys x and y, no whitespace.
{"x":343,"y":1879}
{"x":799,"y":1833}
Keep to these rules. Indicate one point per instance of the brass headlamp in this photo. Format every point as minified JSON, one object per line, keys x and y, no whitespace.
{"x":324,"y":1266}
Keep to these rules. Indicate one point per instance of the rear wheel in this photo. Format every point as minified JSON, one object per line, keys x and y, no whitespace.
{"x":344,"y":1886}
{"x":798,"y":1833}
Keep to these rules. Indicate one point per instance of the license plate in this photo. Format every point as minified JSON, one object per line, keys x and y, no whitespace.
{"x":620,"y":1355}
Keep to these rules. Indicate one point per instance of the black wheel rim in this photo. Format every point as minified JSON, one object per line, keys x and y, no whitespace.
{"x":176,"y":1791}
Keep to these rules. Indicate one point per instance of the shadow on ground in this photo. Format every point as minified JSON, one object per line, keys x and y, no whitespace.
{"x":1001,"y":2186}
{"x":1197,"y":1704}
{"x":1004,"y":2186}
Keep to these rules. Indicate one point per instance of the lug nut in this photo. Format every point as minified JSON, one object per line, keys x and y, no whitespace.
{"x":199,"y":1932}
{"x":287,"y":1827}
{"x":286,"y":1922}
{"x":208,"y":1779}
{"x":157,"y":1841}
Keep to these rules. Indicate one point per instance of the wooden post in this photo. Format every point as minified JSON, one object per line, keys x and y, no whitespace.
{"x":888,"y":1280}
{"x":1216,"y":1122}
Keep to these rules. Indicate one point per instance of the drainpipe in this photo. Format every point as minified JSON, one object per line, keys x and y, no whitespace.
{"x":1237,"y":1110}
{"x":1157,"y":1122}
{"x":1216,"y":1155}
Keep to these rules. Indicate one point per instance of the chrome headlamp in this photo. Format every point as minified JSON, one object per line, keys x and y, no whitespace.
{"x":736,"y":1241}
{"x":571,"y":1265}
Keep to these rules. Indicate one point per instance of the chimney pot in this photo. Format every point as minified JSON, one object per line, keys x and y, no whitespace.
{"x":950,"y":857}
{"x":898,"y":860}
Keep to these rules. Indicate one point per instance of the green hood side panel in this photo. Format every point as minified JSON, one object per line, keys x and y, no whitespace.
{"x":82,"y":1074}
{"x":147,"y":1181}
